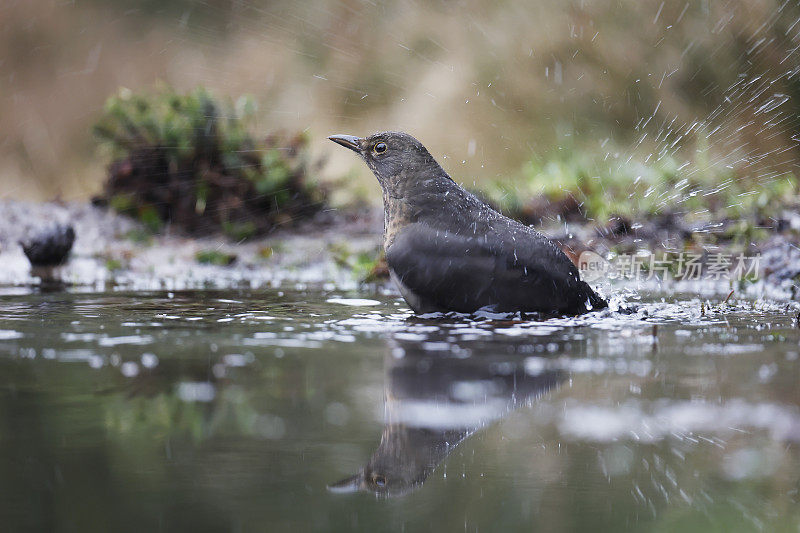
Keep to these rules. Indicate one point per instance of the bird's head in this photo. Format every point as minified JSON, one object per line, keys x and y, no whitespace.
{"x":404,"y":459}
{"x":377,"y":482}
{"x":397,"y":159}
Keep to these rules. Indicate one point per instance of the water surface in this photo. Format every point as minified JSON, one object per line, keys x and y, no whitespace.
{"x":299,"y":410}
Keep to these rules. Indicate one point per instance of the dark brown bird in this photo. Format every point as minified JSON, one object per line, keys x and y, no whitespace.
{"x":433,"y":403}
{"x":449,"y":251}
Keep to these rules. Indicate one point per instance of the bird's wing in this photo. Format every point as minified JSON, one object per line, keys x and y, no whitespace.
{"x":466,"y":272}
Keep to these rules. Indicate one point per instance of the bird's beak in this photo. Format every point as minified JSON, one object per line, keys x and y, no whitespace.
{"x":348,"y":141}
{"x":347,"y":485}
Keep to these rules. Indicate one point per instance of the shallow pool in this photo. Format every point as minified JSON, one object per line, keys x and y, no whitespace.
{"x":299,"y":410}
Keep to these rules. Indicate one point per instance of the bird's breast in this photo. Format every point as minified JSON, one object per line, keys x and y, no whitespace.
{"x":397,"y":214}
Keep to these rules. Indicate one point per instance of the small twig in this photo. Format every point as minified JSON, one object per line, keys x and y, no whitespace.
{"x":728,"y":298}
{"x":655,"y":337}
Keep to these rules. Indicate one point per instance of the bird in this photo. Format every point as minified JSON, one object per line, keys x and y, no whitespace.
{"x":449,"y":251}
{"x":433,"y":404}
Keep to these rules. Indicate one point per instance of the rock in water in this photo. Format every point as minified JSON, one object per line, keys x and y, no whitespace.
{"x":48,"y":249}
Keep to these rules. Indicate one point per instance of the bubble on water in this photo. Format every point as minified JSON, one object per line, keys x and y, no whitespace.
{"x":472,"y":391}
{"x":767,"y":372}
{"x":437,"y":346}
{"x":355,"y":302}
{"x":127,"y":339}
{"x":8,"y":334}
{"x":196,"y":391}
{"x":129,"y":369}
{"x":235,"y":359}
{"x":149,"y":360}
{"x":534,"y":366}
{"x":723,"y":349}
{"x":677,"y":420}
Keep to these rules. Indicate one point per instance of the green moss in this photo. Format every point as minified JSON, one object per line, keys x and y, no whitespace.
{"x":150,"y":218}
{"x":124,"y":203}
{"x":139,"y":236}
{"x":113,"y":264}
{"x":367,"y":266}
{"x":239,"y":231}
{"x":581,"y":185}
{"x":215,"y":257}
{"x":195,"y":161}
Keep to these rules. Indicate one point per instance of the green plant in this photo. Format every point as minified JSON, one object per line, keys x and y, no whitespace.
{"x":579,"y":184}
{"x":215,"y":257}
{"x":193,"y":161}
{"x":366,"y":266}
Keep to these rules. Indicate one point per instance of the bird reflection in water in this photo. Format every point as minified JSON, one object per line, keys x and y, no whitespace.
{"x":434,"y":401}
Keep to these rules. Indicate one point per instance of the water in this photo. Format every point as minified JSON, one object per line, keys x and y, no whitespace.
{"x":235,"y":411}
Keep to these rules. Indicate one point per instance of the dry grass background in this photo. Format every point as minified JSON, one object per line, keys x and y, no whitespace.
{"x":486,"y":85}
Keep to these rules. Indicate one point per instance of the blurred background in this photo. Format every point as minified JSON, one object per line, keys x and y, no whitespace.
{"x":494,"y":89}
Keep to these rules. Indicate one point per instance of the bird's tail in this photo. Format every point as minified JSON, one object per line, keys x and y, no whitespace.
{"x":594,"y":301}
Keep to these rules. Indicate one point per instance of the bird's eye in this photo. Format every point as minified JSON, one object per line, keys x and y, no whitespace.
{"x":379,"y":148}
{"x":379,"y":480}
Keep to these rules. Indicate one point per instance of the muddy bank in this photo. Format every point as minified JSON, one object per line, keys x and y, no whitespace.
{"x":669,"y":253}
{"x":114,"y":252}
